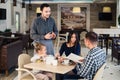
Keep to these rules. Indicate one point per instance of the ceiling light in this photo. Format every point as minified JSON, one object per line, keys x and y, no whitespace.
{"x":23,"y":4}
{"x":76,"y":10}
{"x":2,"y":1}
{"x":30,"y":5}
{"x":14,"y":2}
{"x":106,"y":9}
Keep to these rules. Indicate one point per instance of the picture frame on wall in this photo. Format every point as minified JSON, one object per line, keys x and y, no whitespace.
{"x":73,"y":20}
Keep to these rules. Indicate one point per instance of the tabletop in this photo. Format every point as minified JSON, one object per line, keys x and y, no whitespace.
{"x":60,"y":68}
{"x":106,"y":30}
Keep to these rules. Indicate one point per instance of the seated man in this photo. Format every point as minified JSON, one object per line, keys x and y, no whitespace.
{"x":95,"y":58}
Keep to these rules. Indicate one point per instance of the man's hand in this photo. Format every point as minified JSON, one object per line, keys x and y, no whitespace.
{"x":53,"y":35}
{"x":48,"y":36}
{"x":82,"y":60}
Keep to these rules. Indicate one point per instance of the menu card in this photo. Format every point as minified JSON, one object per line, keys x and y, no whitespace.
{"x":75,"y":57}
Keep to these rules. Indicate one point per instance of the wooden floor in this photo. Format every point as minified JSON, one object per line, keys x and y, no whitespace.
{"x":9,"y":77}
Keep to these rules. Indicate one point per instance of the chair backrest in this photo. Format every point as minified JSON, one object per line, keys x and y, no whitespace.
{"x":61,"y":38}
{"x":23,"y":59}
{"x":25,"y":39}
{"x":82,"y":35}
{"x":64,"y":36}
{"x":98,"y":75}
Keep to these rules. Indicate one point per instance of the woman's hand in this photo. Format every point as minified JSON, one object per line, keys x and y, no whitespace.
{"x":60,"y":59}
{"x":57,"y":55}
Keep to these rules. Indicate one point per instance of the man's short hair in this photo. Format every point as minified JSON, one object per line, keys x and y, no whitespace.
{"x":92,"y":36}
{"x":44,"y":5}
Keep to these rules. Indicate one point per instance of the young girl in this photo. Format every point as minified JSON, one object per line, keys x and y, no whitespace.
{"x":40,"y":55}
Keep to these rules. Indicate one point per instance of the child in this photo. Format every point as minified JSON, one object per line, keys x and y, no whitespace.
{"x":40,"y":55}
{"x":40,"y":52}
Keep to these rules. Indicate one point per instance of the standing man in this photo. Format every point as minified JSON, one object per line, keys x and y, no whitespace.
{"x":43,"y":29}
{"x":95,"y":58}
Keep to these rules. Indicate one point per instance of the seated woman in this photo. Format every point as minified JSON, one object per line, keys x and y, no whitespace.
{"x":40,"y":54}
{"x":71,"y":46}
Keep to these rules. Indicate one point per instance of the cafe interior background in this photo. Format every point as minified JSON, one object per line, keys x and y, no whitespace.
{"x":17,"y":16}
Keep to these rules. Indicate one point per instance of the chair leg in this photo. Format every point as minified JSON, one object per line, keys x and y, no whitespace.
{"x":118,"y":61}
{"x":19,"y":75}
{"x":58,"y":42}
{"x":6,"y":72}
{"x":112,"y":58}
{"x":26,"y":50}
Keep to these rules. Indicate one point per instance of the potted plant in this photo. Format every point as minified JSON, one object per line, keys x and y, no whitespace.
{"x":7,"y":30}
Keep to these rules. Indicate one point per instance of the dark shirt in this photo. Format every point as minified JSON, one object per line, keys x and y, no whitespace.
{"x":75,"y":49}
{"x":41,"y":27}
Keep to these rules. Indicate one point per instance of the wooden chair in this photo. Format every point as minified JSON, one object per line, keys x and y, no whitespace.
{"x":24,"y":74}
{"x":98,"y":75}
{"x":61,"y":38}
{"x":82,"y":36}
{"x":116,"y":49}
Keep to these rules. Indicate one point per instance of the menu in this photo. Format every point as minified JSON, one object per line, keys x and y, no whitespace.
{"x":75,"y":57}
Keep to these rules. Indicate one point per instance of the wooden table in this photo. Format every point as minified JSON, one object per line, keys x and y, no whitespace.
{"x":106,"y":31}
{"x":60,"y":68}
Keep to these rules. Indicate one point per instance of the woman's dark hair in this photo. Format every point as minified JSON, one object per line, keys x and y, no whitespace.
{"x":44,"y":5}
{"x":70,"y":36}
{"x":92,"y":36}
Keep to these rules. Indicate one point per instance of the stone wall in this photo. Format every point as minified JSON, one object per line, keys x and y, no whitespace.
{"x":94,"y":10}
{"x":31,"y":14}
{"x":94,"y":20}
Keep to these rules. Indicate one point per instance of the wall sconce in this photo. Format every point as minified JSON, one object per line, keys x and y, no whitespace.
{"x":106,"y":9}
{"x":38,"y":10}
{"x":30,"y":6}
{"x":2,"y":1}
{"x":14,"y":2}
{"x":23,"y":4}
{"x":76,"y":10}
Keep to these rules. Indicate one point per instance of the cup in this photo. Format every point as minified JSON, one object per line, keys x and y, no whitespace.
{"x":12,"y":35}
{"x":49,"y":59}
{"x":54,"y":62}
{"x":66,"y":62}
{"x":24,"y":32}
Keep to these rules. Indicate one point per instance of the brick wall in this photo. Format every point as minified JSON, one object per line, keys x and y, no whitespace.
{"x":95,"y":22}
{"x":94,"y":10}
